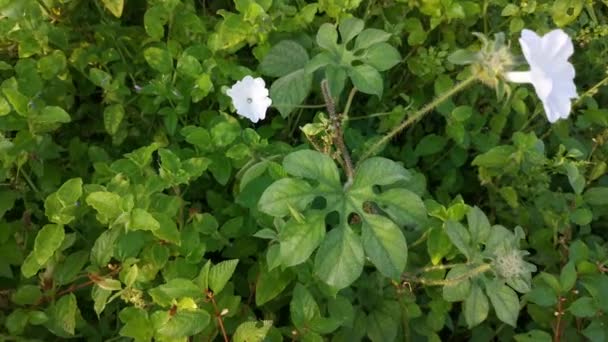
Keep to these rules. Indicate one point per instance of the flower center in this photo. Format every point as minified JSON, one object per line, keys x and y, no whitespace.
{"x":249,"y":100}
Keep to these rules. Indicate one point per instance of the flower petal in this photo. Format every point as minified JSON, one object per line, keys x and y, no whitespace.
{"x":557,"y":45}
{"x":530,"y":43}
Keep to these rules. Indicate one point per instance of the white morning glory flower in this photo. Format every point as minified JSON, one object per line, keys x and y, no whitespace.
{"x":550,"y":72}
{"x":250,"y":98}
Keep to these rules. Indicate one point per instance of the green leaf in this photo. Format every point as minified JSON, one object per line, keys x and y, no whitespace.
{"x":112,"y":118}
{"x":369,"y":37}
{"x":154,"y":20}
{"x":188,"y":66}
{"x":457,"y":290}
{"x":60,"y":206}
{"x":284,"y":58}
{"x":303,"y":307}
{"x":339,"y":260}
{"x":48,"y":240}
{"x":114,"y":6}
{"x":220,"y":274}
{"x":51,"y":65}
{"x":381,"y":326}
{"x":576,"y":179}
{"x":159,"y":59}
{"x":366,"y":79}
{"x":459,"y":236}
{"x":462,"y":57}
{"x":479,"y":226}
{"x":497,"y":157}
{"x":183,"y":324}
{"x":336,"y":79}
{"x":62,"y":316}
{"x":251,"y":331}
{"x":142,"y":220}
{"x":18,"y":101}
{"x":403,"y":206}
{"x":327,"y":37}
{"x":107,"y":205}
{"x":137,"y":325}
{"x":299,"y":240}
{"x":385,"y":245}
{"x":285,"y":193}
{"x":177,"y":288}
{"x":349,"y":28}
{"x":52,"y":115}
{"x":313,"y":165}
{"x":505,"y":303}
{"x":26,"y":295}
{"x":430,"y":145}
{"x":270,"y":284}
{"x":5,"y":107}
{"x":596,"y":195}
{"x":567,"y":277}
{"x":533,"y":336}
{"x":378,"y":171}
{"x":290,"y":91}
{"x":462,"y":113}
{"x":382,"y":56}
{"x":583,"y":307}
{"x":566,"y":11}
{"x":438,"y":245}
{"x":100,"y":78}
{"x":476,"y":307}
{"x":100,"y":298}
{"x":16,"y":321}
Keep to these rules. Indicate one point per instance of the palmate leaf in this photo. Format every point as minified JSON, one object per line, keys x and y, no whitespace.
{"x":342,"y":250}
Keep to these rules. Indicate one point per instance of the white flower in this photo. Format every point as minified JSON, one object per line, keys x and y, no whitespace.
{"x":250,"y":98}
{"x":550,"y":72}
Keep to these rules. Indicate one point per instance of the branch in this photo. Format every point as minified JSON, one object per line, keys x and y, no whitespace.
{"x":338,"y":136}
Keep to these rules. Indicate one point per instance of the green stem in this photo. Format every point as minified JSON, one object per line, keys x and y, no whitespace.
{"x":29,"y":181}
{"x":419,"y":114}
{"x":349,"y":102}
{"x":439,"y":267}
{"x":452,"y":281}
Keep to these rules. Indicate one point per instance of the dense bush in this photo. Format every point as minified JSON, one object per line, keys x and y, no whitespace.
{"x":398,"y":188}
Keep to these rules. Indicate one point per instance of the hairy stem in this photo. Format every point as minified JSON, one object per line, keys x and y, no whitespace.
{"x":338,"y":136}
{"x":452,"y":281}
{"x":418,"y":115}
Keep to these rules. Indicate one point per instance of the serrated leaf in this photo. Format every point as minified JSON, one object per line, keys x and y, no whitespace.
{"x":184,"y":323}
{"x":220,"y":274}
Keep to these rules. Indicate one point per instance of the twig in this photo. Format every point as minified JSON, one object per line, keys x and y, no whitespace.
{"x":557,"y":329}
{"x":338,"y":137}
{"x":218,"y":315}
{"x":419,"y":114}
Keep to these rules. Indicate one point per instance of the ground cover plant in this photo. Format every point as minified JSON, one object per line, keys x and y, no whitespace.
{"x":268,"y":170}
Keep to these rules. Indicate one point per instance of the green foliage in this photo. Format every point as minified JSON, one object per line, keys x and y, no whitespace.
{"x":135,"y":205}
